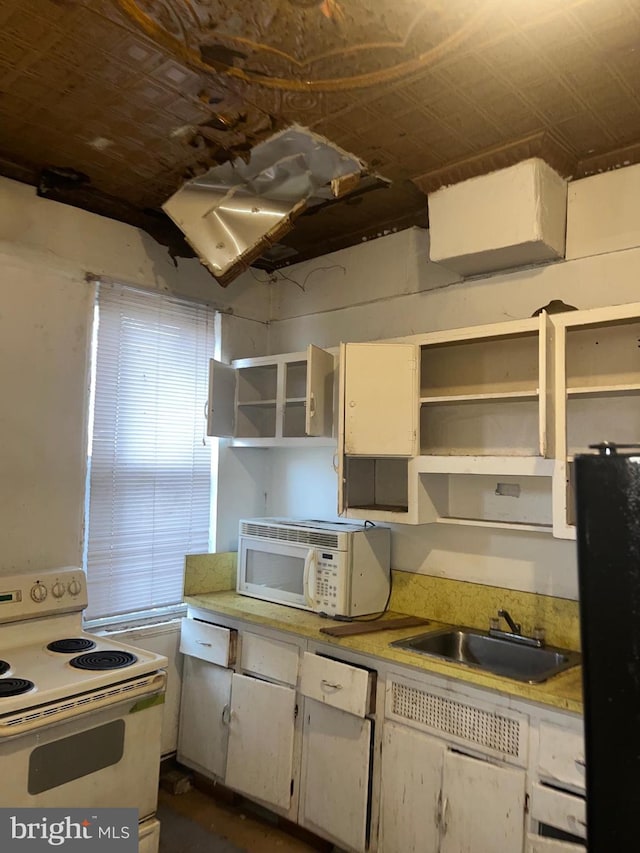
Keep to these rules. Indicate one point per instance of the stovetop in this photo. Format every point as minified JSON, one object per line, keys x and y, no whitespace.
{"x":45,"y":656}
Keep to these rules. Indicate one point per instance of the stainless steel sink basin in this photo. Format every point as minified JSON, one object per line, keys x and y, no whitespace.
{"x":493,"y":654}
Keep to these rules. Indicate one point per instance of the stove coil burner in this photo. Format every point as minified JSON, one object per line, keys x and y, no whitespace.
{"x":111,"y":659}
{"x":4,"y":667}
{"x":71,"y":645}
{"x":14,"y":686}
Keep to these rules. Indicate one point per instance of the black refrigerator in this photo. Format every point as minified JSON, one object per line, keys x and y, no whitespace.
{"x":607,"y":492}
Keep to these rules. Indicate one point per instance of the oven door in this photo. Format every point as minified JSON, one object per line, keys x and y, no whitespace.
{"x":277,"y":571}
{"x":106,"y":757}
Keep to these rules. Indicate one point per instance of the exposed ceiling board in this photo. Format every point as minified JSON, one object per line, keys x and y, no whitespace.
{"x":140,"y":95}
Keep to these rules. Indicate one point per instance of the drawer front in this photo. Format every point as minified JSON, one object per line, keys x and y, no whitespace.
{"x":340,"y":685}
{"x":561,"y":755}
{"x":269,"y":658}
{"x":562,"y":811}
{"x":208,"y":642}
{"x":536,"y":844}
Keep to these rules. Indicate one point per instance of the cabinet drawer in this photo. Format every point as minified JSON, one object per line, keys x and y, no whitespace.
{"x":561,"y":755}
{"x":208,"y":642}
{"x":536,"y":844}
{"x":562,"y":811}
{"x":269,"y":658}
{"x":337,"y":684}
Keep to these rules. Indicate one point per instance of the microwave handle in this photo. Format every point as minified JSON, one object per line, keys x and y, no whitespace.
{"x":309,"y":577}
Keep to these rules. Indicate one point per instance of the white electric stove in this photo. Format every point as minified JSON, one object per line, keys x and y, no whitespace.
{"x":80,"y":715}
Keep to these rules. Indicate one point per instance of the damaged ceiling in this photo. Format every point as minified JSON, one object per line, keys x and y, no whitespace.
{"x":111,"y":105}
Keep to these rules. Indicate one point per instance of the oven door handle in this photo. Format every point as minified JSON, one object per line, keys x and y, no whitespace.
{"x":77,"y":707}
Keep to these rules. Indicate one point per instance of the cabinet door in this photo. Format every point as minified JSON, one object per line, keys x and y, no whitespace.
{"x":202,"y":738}
{"x":260,"y":751}
{"x":482,"y":806}
{"x":410,"y":791}
{"x":381,"y":399}
{"x":222,"y":399}
{"x":336,"y":750}
{"x":319,"y":396}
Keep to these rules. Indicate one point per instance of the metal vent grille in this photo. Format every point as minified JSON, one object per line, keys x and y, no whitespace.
{"x":291,"y":534}
{"x":75,"y":704}
{"x":455,"y":718}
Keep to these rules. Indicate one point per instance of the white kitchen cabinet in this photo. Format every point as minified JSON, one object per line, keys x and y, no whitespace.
{"x":380,"y":392}
{"x":482,"y":806}
{"x":597,"y":388}
{"x":336,"y":750}
{"x":483,"y":390}
{"x":537,"y":844}
{"x":435,"y":800}
{"x":209,"y":650}
{"x":261,"y":737}
{"x":204,"y":710}
{"x":283,"y":400}
{"x":336,"y":757}
{"x":410,"y":790}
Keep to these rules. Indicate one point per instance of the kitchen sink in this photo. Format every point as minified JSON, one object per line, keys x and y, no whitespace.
{"x":492,"y":654}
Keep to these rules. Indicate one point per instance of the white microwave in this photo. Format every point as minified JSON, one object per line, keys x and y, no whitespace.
{"x":333,"y":568}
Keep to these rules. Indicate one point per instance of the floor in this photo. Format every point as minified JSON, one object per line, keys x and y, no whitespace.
{"x":194,"y":822}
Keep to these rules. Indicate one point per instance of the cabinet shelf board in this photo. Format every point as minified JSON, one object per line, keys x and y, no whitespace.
{"x":503,"y":525}
{"x":256,"y":403}
{"x":295,"y":401}
{"x":531,"y":394}
{"x":285,"y":441}
{"x":534,"y":466}
{"x":379,"y":508}
{"x":602,"y":390}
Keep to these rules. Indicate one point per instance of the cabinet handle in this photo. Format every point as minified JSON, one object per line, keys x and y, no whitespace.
{"x":439,"y":809}
{"x":312,"y":404}
{"x":580,"y":762}
{"x":330,"y":685}
{"x":201,"y":643}
{"x":226,"y":715}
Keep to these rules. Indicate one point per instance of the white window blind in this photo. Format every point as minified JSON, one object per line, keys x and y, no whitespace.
{"x":150,"y":480}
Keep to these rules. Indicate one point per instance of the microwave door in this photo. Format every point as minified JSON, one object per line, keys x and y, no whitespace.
{"x":275,"y":571}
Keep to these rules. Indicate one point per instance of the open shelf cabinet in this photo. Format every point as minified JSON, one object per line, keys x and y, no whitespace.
{"x":284,"y":400}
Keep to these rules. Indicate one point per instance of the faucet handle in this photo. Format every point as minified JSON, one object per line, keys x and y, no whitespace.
{"x":539,"y":634}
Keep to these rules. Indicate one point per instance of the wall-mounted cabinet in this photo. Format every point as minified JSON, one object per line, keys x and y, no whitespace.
{"x":283,"y":400}
{"x":483,"y":392}
{"x":597,"y":391}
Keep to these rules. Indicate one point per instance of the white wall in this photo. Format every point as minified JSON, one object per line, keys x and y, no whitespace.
{"x":388,"y":288}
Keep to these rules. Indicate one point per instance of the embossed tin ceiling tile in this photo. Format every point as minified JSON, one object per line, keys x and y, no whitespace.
{"x":178,"y":76}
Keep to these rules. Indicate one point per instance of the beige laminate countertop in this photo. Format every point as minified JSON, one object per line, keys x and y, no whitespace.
{"x":563,"y":691}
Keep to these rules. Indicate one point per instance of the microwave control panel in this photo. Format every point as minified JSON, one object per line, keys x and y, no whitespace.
{"x":327,"y":582}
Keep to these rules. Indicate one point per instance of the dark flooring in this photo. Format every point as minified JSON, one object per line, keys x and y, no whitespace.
{"x":195,"y":822}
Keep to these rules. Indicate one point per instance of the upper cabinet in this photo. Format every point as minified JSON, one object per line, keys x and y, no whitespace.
{"x":380,"y":389}
{"x":430,"y":427}
{"x":597,"y":388}
{"x":483,"y":392}
{"x":271,"y":401}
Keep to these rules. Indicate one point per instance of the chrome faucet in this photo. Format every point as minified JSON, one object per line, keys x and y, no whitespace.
{"x":515,"y":633}
{"x":516,"y":627}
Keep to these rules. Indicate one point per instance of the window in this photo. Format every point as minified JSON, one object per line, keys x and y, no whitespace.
{"x":149,"y":463}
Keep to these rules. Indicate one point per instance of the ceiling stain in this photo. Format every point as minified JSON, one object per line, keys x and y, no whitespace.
{"x":138,"y":96}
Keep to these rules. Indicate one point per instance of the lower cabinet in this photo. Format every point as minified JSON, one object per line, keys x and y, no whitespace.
{"x":261,"y":735}
{"x":447,"y":768}
{"x":204,"y":717}
{"x":438,"y":800}
{"x":336,"y":761}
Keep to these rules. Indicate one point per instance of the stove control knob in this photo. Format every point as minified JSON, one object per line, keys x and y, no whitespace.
{"x":74,"y":587}
{"x":58,"y":589}
{"x":38,"y":592}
